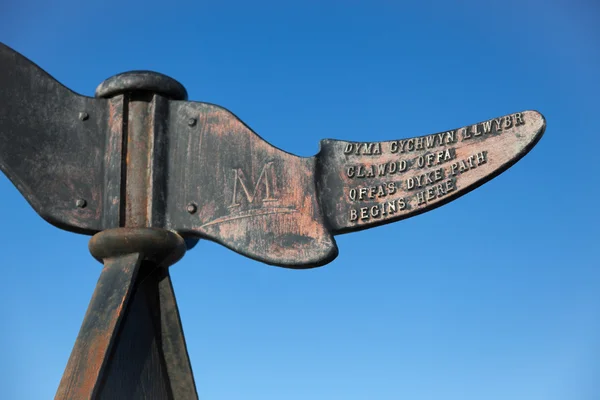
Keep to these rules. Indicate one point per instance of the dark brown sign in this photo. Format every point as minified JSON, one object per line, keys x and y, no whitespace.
{"x":208,"y":175}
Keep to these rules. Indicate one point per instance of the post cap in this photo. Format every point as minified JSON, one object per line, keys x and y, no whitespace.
{"x":147,"y":81}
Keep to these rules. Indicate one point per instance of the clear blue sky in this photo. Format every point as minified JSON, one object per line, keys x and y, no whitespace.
{"x":495,"y":296}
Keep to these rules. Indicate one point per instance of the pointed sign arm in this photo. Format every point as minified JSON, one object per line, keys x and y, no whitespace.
{"x":362,"y":185}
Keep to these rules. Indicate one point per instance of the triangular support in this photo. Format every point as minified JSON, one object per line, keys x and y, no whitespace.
{"x":131,"y":344}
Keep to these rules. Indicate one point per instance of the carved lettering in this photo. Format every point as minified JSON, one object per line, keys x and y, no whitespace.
{"x":436,"y":168}
{"x":492,"y":126}
{"x":435,"y":192}
{"x":422,"y":180}
{"x":465,"y":134}
{"x":363,"y":149}
{"x":487,"y":127}
{"x":481,"y":157}
{"x":373,"y":192}
{"x":378,"y":211}
{"x":370,"y":171}
{"x":239,"y":182}
{"x":469,"y":163}
{"x":424,"y":142}
{"x":519,"y":119}
{"x":431,"y":159}
{"x":450,"y":137}
{"x":351,"y":171}
{"x":498,"y":122}
{"x":430,"y":141}
{"x":420,"y":143}
{"x":364,"y":213}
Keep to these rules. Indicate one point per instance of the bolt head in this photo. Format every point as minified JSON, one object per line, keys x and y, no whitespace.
{"x":83,"y":116}
{"x":192,"y":208}
{"x":81,"y":203}
{"x":192,"y":121}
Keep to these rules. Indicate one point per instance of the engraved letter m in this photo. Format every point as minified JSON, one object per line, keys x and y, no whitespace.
{"x":238,"y":176}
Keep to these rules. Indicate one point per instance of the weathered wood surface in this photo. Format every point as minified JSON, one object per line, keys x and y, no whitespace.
{"x":98,"y":335}
{"x":149,"y":158}
{"x":367,"y":184}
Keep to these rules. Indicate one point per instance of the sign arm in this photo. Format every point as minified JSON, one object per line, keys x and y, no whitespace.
{"x":365,"y":184}
{"x":52,"y":144}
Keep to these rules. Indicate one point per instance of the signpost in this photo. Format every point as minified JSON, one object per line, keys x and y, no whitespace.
{"x":148,"y":173}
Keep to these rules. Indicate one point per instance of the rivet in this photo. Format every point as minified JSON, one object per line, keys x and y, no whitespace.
{"x":81,"y":203}
{"x":192,"y":208}
{"x":83,"y":116}
{"x":192,"y":121}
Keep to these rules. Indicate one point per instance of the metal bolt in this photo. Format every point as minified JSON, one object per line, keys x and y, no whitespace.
{"x":83,"y":116}
{"x":192,"y":208}
{"x":192,"y":121}
{"x":81,"y":203}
